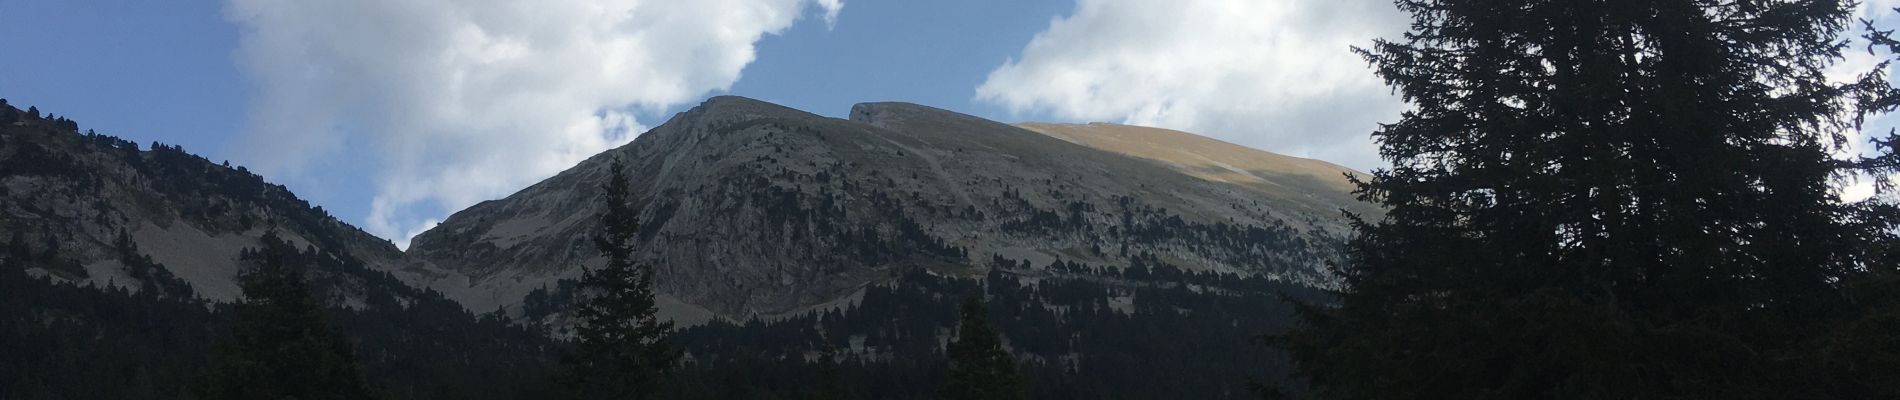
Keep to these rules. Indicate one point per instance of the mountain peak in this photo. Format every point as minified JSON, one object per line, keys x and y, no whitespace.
{"x":739,"y":105}
{"x":898,"y":114}
{"x":872,"y":112}
{"x":751,"y":208}
{"x":723,"y":100}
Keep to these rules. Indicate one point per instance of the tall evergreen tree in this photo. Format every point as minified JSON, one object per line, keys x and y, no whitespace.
{"x":980,"y":369}
{"x":829,"y":385}
{"x":1604,"y":199}
{"x":622,"y":349}
{"x":279,"y":346}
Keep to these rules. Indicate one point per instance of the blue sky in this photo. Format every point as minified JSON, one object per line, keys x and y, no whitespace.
{"x":140,"y":70}
{"x":927,"y":52}
{"x":394,"y":113}
{"x":391,"y":114}
{"x":164,"y":71}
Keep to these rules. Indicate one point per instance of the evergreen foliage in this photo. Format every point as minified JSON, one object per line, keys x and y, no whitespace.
{"x":61,"y":341}
{"x":153,"y":279}
{"x":621,"y":348}
{"x":980,"y":368}
{"x":828,"y":384}
{"x":280,"y":347}
{"x":1611,"y":199}
{"x":1081,"y":332}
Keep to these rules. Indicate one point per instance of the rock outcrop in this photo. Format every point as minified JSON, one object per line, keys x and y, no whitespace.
{"x":754,"y":209}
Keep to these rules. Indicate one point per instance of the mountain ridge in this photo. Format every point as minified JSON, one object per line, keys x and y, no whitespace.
{"x":777,"y":234}
{"x":98,"y":201}
{"x":756,"y":209}
{"x":1217,"y":160}
{"x":753,"y":208}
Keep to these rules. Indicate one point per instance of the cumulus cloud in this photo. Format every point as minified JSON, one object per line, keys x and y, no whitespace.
{"x":1277,"y":75}
{"x":457,"y":101}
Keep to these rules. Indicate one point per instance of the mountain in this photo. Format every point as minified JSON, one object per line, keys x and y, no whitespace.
{"x":90,"y":201}
{"x":751,"y":209}
{"x":779,"y":236}
{"x":1311,"y":186}
{"x":120,"y":264}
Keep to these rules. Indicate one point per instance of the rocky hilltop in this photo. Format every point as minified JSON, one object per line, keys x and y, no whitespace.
{"x":99,"y":210}
{"x":754,"y":209}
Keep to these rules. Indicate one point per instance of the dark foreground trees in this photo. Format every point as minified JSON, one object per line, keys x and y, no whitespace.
{"x":979,"y":366}
{"x":621,"y":347}
{"x":1612,"y":199}
{"x":279,"y":346}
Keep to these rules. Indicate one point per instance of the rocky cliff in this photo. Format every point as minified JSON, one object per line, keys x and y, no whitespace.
{"x":754,"y":209}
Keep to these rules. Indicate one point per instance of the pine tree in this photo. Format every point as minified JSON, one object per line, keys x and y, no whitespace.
{"x":829,"y":386}
{"x":622,"y":349}
{"x":1603,"y":199}
{"x":979,"y":366}
{"x":279,"y":346}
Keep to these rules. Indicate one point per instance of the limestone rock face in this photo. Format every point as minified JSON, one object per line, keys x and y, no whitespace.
{"x":753,"y":209}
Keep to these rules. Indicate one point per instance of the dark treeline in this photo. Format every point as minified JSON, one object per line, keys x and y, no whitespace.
{"x":67,"y":342}
{"x":1080,"y":332}
{"x":71,"y":342}
{"x":1072,"y":342}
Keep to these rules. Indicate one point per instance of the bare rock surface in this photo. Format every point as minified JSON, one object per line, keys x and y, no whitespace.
{"x":748,"y":209}
{"x":754,"y":209}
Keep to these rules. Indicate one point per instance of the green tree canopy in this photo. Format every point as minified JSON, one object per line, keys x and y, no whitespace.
{"x":279,"y":346}
{"x":1607,"y":199}
{"x":622,"y":349}
{"x":979,"y":366}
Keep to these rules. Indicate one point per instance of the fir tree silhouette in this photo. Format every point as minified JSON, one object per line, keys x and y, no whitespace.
{"x":1605,"y":199}
{"x":979,"y":366}
{"x":279,"y":346}
{"x":622,"y":349}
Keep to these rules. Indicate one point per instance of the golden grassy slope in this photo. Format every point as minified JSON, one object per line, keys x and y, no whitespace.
{"x":1319,"y":183}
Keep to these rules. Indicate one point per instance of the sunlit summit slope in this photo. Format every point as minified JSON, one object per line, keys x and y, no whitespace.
{"x":1317,"y":185}
{"x":750,"y":208}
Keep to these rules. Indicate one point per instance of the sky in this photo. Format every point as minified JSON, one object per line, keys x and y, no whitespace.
{"x":391,"y":114}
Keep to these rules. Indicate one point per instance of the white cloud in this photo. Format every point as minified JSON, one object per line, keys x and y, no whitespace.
{"x":1277,"y":75}
{"x":1857,"y":60}
{"x":831,"y":8}
{"x":457,"y":101}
